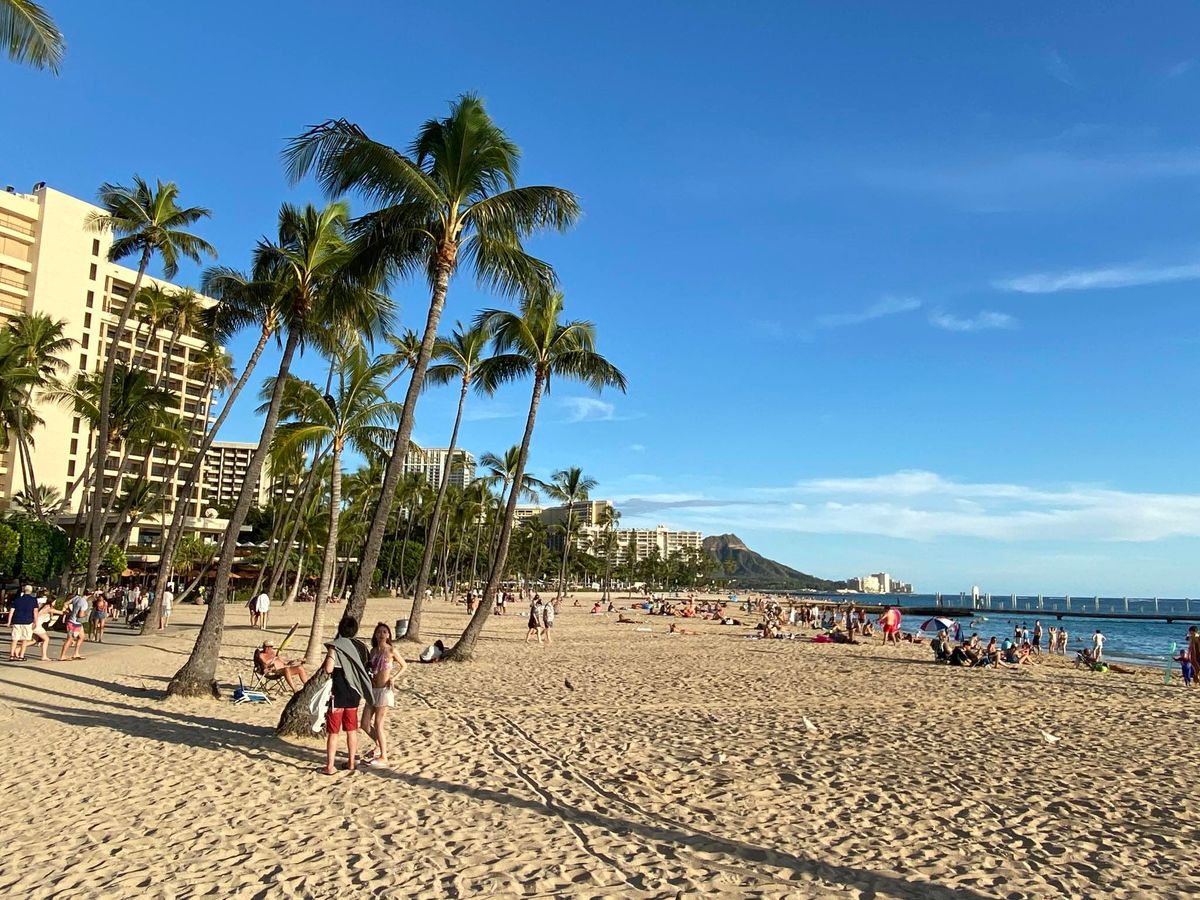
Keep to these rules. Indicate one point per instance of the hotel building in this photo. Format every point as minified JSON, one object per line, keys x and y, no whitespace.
{"x":51,"y":262}
{"x":431,"y":462}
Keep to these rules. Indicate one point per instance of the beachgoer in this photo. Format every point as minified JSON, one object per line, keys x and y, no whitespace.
{"x":164,"y":616}
{"x":675,"y":629}
{"x":74,"y":615}
{"x":45,"y":612}
{"x":889,"y":623}
{"x":433,"y":653}
{"x":1037,"y":637}
{"x":1062,"y":641}
{"x":547,"y":620}
{"x":1098,"y":645}
{"x":535,"y":619}
{"x":346,"y":666}
{"x":269,"y":661}
{"x":1193,"y":644}
{"x":264,"y":607}
{"x":22,"y":616}
{"x":384,"y":665}
{"x":99,"y":618}
{"x":1185,"y":665}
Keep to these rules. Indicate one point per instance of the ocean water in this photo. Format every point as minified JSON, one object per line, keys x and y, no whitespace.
{"x":1133,"y":640}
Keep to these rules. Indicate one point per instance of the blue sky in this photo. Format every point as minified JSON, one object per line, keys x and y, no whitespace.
{"x":901,"y":287}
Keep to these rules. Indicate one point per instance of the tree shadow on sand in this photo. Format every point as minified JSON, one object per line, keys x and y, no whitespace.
{"x":259,"y":744}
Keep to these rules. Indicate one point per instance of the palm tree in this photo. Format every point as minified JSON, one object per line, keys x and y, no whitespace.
{"x":461,"y":357}
{"x":44,"y":503}
{"x":241,"y":301}
{"x":534,"y":342}
{"x":145,"y":221}
{"x":29,"y":35}
{"x":357,"y":416}
{"x":453,"y":200}
{"x":153,"y":310}
{"x":36,"y":340}
{"x":502,"y":470}
{"x":568,"y":487}
{"x":609,"y":519}
{"x":307,"y":274}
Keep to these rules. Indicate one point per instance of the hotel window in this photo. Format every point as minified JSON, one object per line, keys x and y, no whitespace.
{"x":75,"y":426}
{"x":84,"y":342}
{"x":74,"y":446}
{"x":96,"y":247}
{"x":87,"y":320}
{"x":92,"y":272}
{"x":91,"y":298}
{"x":83,"y":362}
{"x":71,"y":468}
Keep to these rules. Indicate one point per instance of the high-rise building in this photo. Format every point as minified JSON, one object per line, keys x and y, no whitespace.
{"x":646,"y":541}
{"x":583,"y":514}
{"x":431,"y":462}
{"x":225,"y":466}
{"x":52,"y":262}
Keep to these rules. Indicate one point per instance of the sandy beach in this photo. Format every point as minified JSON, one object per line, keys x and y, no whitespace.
{"x":677,"y":766}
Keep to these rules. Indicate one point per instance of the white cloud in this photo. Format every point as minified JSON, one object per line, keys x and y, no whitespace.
{"x":477,"y":413}
{"x":1058,"y":69}
{"x":588,"y":409}
{"x":981,"y":321}
{"x":1097,"y":279}
{"x":922,"y":506}
{"x":1181,"y":68}
{"x":637,"y":448}
{"x":888,"y":306}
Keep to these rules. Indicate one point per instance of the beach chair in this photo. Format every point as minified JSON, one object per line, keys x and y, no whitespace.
{"x":243,"y":694}
{"x":270,"y":682}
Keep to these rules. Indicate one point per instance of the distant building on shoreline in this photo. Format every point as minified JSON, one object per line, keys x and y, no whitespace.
{"x":879,"y":583}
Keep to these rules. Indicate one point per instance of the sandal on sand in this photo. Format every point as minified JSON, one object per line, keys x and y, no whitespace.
{"x":327,"y":772}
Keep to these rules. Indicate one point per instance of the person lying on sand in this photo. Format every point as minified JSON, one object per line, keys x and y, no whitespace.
{"x":675,"y":629}
{"x":267,"y":659}
{"x":623,"y":619}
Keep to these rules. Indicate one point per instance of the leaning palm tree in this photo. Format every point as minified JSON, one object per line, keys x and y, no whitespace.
{"x":153,"y":310}
{"x":241,"y":302}
{"x":145,"y":221}
{"x":533,"y":342}
{"x":357,"y":416}
{"x":453,"y":200}
{"x":461,"y":357}
{"x":568,"y":487}
{"x":29,"y":35}
{"x":307,"y":271}
{"x":36,"y":340}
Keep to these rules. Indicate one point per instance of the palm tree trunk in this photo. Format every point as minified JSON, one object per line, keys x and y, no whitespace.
{"x":196,"y":677}
{"x":466,"y":644}
{"x":183,"y":499}
{"x":562,"y":572}
{"x":330,"y":560}
{"x":96,"y":525}
{"x":408,"y":520}
{"x":310,"y":481}
{"x":414,"y":616}
{"x":370,"y":554}
{"x":475,"y":551}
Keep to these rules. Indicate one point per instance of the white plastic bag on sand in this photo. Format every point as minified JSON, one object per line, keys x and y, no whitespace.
{"x":316,"y":706}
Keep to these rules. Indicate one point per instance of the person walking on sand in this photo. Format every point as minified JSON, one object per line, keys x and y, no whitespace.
{"x":345,"y":663}
{"x":74,"y":616}
{"x":384,"y":665}
{"x":889,"y":623}
{"x":548,"y":613}
{"x":99,"y":618}
{"x":1037,"y":637}
{"x":535,"y":619}
{"x":1062,"y":641}
{"x":1098,"y":645}
{"x":164,"y":616}
{"x":22,"y":615}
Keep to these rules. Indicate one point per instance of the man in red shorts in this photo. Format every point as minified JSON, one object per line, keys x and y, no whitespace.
{"x":345,"y":663}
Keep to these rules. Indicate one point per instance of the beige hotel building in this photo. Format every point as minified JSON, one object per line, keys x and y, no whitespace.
{"x":52,"y":263}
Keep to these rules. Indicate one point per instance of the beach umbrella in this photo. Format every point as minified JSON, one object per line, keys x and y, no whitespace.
{"x":941,"y":623}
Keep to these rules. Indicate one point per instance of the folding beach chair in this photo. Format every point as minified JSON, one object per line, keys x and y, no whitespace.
{"x":243,"y":694}
{"x":271,"y":682}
